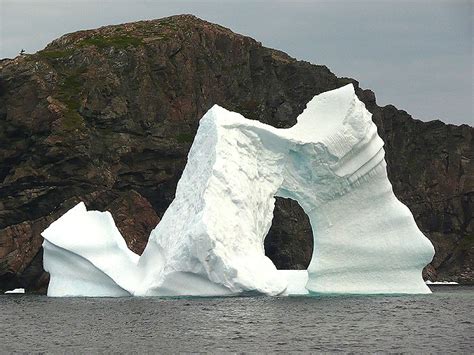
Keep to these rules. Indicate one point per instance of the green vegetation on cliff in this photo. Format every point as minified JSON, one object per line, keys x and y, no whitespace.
{"x":122,"y":41}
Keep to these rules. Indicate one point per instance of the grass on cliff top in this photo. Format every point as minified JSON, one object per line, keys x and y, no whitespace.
{"x":170,"y":23}
{"x":121,"y":41}
{"x":54,"y":54}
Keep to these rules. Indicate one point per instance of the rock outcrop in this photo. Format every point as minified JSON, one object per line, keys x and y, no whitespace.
{"x":107,"y":116}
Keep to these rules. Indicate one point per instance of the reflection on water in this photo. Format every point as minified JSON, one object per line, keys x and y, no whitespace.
{"x":441,"y":322}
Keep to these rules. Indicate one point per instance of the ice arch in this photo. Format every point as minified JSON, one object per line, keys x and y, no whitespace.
{"x":210,"y":240}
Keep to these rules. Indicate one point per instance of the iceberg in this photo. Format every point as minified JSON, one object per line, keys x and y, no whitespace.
{"x":210,"y":239}
{"x":15,"y":291}
{"x":429,"y":282}
{"x":86,"y":255}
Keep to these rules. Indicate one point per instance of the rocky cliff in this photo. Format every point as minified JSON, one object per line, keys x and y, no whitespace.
{"x":107,"y":116}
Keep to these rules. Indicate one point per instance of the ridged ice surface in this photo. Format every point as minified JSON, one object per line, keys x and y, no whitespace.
{"x":210,"y":240}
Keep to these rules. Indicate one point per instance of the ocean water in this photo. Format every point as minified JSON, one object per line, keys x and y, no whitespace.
{"x":442,"y":322}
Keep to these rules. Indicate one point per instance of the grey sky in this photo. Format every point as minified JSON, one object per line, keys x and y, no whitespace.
{"x":417,"y":55}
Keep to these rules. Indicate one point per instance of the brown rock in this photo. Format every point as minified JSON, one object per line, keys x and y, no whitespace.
{"x":135,"y":218}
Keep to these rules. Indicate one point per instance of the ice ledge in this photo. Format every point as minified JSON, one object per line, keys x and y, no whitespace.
{"x":210,"y":240}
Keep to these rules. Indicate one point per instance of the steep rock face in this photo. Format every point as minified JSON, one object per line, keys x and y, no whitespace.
{"x":103,"y":112}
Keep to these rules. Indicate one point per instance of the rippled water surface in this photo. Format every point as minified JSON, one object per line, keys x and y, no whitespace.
{"x":441,"y":322}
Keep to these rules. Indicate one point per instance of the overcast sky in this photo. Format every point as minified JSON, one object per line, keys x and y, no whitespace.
{"x":417,"y":55}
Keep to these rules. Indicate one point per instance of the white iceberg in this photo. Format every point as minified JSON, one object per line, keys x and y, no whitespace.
{"x":15,"y":291}
{"x":87,"y":256}
{"x":210,"y":240}
{"x":429,"y":282}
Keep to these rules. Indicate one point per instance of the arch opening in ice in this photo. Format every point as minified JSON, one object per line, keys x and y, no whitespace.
{"x":289,"y":242}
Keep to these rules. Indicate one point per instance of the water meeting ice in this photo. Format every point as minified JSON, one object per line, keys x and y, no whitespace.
{"x":210,"y":241}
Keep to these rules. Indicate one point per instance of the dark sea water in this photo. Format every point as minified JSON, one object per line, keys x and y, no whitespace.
{"x":442,"y":322}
